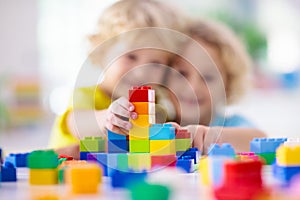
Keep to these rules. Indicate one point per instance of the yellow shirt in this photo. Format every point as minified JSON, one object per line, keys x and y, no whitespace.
{"x":83,"y":98}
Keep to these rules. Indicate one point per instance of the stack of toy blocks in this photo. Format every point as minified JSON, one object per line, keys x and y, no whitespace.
{"x":43,"y":167}
{"x":91,"y":144}
{"x":212,"y":167}
{"x":242,"y":180}
{"x":266,"y":148}
{"x":287,"y":161}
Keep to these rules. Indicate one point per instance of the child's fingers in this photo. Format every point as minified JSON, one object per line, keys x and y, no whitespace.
{"x":116,"y":129}
{"x":113,"y":119}
{"x":122,"y":101}
{"x":174,"y":124}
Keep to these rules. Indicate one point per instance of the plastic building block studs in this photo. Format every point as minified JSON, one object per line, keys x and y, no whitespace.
{"x":142,"y":94}
{"x":84,"y":179}
{"x":139,"y":146}
{"x":162,"y":132}
{"x":288,"y":155}
{"x":138,"y":133}
{"x":43,"y":176}
{"x":162,"y":147}
{"x":183,"y":144}
{"x":144,"y":108}
{"x":42,"y":160}
{"x":8,"y":172}
{"x":92,"y":144}
{"x":266,"y":145}
{"x":247,"y":156}
{"x":223,"y":150}
{"x":18,"y":160}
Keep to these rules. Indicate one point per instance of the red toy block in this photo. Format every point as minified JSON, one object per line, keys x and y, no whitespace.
{"x":182,"y":134}
{"x":163,"y":160}
{"x":141,"y":94}
{"x":65,"y":156}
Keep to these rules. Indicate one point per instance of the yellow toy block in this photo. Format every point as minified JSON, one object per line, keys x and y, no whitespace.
{"x":143,"y":120}
{"x":139,"y":161}
{"x":43,"y":176}
{"x":288,"y":155}
{"x":162,"y":147}
{"x":138,"y":133}
{"x":85,"y":178}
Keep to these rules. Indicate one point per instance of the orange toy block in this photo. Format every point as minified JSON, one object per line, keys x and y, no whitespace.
{"x":43,"y":176}
{"x":85,"y":178}
{"x":162,"y":147}
{"x":144,"y":108}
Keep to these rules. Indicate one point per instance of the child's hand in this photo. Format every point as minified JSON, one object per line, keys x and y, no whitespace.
{"x":118,"y":114}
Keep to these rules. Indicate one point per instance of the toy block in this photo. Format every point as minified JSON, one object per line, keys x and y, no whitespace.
{"x":266,"y":145}
{"x":268,"y":158}
{"x":115,"y":136}
{"x":42,"y":160}
{"x":139,"y":161}
{"x":118,"y":146}
{"x":92,"y":144}
{"x":138,"y":133}
{"x":85,"y":178}
{"x":292,"y":142}
{"x":61,"y":160}
{"x":163,"y":161}
{"x":100,"y":158}
{"x":83,"y":155}
{"x":121,"y":179}
{"x":285,"y":173}
{"x":182,"y":134}
{"x":247,"y":156}
{"x":65,"y":156}
{"x":162,"y":147}
{"x":1,"y":159}
{"x":143,"y":120}
{"x":18,"y":160}
{"x":288,"y":155}
{"x":144,"y":108}
{"x":192,"y":153}
{"x":185,"y":164}
{"x":139,"y":146}
{"x":43,"y":176}
{"x":122,"y":163}
{"x":221,"y":150}
{"x":162,"y":132}
{"x":149,"y":191}
{"x":141,"y":94}
{"x":8,"y":172}
{"x":183,"y":144}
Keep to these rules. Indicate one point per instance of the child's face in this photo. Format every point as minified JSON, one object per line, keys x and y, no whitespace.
{"x":124,"y":73}
{"x":204,"y":78}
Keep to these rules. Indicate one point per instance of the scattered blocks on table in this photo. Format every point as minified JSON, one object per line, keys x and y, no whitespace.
{"x":162,"y":132}
{"x":162,"y":147}
{"x":139,"y":161}
{"x":18,"y":160}
{"x":84,"y":179}
{"x":266,"y":145}
{"x":288,"y":155}
{"x":185,"y":164}
{"x":121,"y":179}
{"x":92,"y":144}
{"x":182,"y":134}
{"x":139,"y":133}
{"x":163,"y":161}
{"x":141,"y":94}
{"x":149,"y":191}
{"x":183,"y":144}
{"x":118,"y":146}
{"x":8,"y":172}
{"x":42,"y":160}
{"x":144,"y":108}
{"x":43,"y":176}
{"x":139,"y":146}
{"x":221,"y":150}
{"x":192,"y":153}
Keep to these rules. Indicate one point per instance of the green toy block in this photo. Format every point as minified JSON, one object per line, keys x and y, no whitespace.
{"x":61,"y":174}
{"x":92,"y":144}
{"x":122,"y":160}
{"x":42,"y":160}
{"x":269,"y":158}
{"x":139,"y":161}
{"x":139,"y":146}
{"x":147,"y":191}
{"x":183,"y":144}
{"x":61,"y":160}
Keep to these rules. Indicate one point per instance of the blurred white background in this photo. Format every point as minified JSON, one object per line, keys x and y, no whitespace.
{"x":44,"y":43}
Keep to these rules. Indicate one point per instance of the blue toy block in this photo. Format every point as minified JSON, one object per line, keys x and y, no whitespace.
{"x":100,"y":158}
{"x":83,"y":155}
{"x":8,"y":172}
{"x":285,"y":174}
{"x":1,"y":159}
{"x":192,"y":153}
{"x":217,"y":164}
{"x":112,"y":163}
{"x":161,"y":132}
{"x":118,"y":146}
{"x":223,"y":150}
{"x":266,"y":145}
{"x":185,"y":164}
{"x":18,"y":160}
{"x":120,"y":179}
{"x":114,"y":136}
